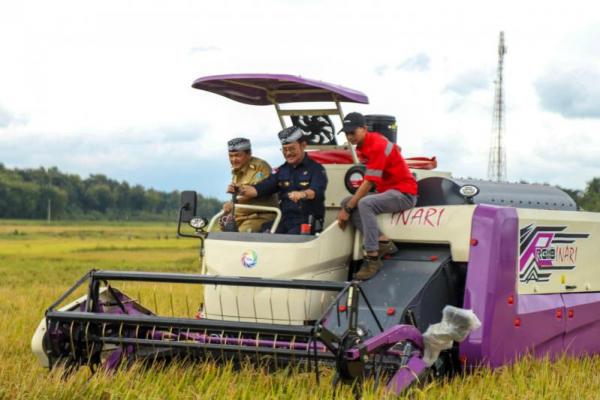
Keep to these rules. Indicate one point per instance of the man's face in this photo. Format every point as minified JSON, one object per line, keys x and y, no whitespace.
{"x":238,"y":158}
{"x":357,"y":135}
{"x":293,"y":152}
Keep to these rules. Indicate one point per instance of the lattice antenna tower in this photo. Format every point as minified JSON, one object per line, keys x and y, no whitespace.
{"x":497,"y":160}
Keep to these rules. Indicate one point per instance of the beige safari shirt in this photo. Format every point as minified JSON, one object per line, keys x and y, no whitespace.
{"x":253,"y":172}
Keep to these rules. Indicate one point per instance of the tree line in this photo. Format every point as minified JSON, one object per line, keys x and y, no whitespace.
{"x":589,"y":198}
{"x":29,"y":193}
{"x":32,"y":193}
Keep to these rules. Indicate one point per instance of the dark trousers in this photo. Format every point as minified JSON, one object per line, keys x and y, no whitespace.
{"x":364,"y":217}
{"x":291,"y":225}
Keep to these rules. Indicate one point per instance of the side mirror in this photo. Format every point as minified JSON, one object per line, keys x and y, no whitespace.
{"x":188,"y":205}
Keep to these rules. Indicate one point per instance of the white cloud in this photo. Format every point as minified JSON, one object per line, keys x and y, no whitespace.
{"x":105,"y":85}
{"x":470,"y":81}
{"x":418,"y":62}
{"x":572,"y":94}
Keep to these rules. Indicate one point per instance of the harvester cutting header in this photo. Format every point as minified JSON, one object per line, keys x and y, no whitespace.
{"x":483,"y":273}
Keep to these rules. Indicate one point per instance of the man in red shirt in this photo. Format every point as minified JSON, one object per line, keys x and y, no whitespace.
{"x":396,"y":191}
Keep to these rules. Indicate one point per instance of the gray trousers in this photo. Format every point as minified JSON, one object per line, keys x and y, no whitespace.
{"x":364,"y":216}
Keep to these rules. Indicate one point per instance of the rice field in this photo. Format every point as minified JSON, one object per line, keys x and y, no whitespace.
{"x":39,"y":261}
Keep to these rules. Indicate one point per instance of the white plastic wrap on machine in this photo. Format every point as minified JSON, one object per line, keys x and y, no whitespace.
{"x":456,"y":324}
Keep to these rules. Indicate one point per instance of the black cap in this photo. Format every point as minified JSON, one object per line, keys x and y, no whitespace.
{"x":291,"y":135}
{"x":238,"y":144}
{"x":352,"y":121}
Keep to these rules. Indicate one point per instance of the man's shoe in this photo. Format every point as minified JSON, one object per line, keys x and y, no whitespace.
{"x":369,"y":268}
{"x":386,"y":249}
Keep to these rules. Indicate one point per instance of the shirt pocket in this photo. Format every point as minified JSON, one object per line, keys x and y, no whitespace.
{"x":304,"y":180}
{"x":283,"y":180}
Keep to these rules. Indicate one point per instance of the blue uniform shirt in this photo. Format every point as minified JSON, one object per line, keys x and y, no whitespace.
{"x":307,"y":175}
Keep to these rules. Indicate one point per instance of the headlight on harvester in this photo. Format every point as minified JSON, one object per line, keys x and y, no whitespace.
{"x":198,"y":223}
{"x":468,"y":192}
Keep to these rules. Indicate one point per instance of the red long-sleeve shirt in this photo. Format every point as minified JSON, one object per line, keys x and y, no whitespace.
{"x":386,"y":167}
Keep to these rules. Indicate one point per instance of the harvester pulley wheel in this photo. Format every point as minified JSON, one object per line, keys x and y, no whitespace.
{"x":349,"y":370}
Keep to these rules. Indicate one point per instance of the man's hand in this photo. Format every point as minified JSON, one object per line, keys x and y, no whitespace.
{"x":227,"y":207}
{"x":342,"y":219}
{"x":296,"y":196}
{"x":231,"y":188}
{"x":247,"y":191}
{"x":362,"y":191}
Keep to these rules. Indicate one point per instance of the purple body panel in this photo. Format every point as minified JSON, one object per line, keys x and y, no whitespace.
{"x":489,"y":284}
{"x":541,"y":332}
{"x":537,"y":324}
{"x":267,"y":89}
{"x":406,"y":375}
{"x":582,"y":323}
{"x":389,"y":338}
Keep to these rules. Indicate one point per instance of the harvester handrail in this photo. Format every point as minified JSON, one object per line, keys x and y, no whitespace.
{"x":275,"y":210}
{"x":218,"y":280}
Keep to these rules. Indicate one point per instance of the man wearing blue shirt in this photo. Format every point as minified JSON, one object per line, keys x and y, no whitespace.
{"x":300,"y":184}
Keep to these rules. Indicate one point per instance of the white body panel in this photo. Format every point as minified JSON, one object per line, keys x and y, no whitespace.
{"x":37,"y":344}
{"x":435,"y":224}
{"x":559,"y":251}
{"x":324,"y":258}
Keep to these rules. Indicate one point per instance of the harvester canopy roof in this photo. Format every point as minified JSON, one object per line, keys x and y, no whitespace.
{"x":267,"y":89}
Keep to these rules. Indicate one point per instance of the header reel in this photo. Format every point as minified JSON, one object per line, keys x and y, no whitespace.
{"x":107,"y":328}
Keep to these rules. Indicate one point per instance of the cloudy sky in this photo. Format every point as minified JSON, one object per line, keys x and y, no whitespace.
{"x":104,"y":86}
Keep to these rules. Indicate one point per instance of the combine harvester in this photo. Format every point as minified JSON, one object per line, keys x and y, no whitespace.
{"x":521,"y":257}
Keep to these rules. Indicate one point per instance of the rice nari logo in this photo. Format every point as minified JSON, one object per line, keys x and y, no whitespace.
{"x":249,"y":259}
{"x":544,"y":249}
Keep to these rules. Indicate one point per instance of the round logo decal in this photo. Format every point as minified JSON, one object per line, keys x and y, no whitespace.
{"x":249,"y":259}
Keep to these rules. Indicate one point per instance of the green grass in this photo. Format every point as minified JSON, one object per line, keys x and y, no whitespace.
{"x":39,"y":261}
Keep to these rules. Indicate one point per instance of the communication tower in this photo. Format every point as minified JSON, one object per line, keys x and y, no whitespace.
{"x":497,"y":159}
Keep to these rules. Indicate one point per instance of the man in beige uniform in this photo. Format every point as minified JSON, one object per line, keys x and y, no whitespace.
{"x":248,"y":170}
